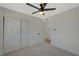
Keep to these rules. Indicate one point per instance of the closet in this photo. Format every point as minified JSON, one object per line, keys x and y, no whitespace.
{"x":17,"y":32}
{"x":11,"y":34}
{"x":21,"y":33}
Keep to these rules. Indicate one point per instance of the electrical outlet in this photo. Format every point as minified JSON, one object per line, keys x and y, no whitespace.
{"x":48,"y":41}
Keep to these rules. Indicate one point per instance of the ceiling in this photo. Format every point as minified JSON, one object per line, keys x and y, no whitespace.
{"x":23,"y":8}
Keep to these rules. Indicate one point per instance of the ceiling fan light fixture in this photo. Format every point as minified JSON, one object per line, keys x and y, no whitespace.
{"x":42,"y":13}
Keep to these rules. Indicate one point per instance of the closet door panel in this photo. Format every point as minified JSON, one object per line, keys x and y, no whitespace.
{"x":32,"y":32}
{"x":40,"y":33}
{"x":25,"y":34}
{"x":1,"y":35}
{"x":12,"y":34}
{"x":36,"y":32}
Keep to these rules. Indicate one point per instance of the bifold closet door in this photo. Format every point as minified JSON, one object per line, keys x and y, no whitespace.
{"x":25,"y":34}
{"x":1,"y":35}
{"x":11,"y":34}
{"x":36,"y":32}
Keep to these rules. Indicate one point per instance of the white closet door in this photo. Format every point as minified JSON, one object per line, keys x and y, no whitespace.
{"x":40,"y":33}
{"x":11,"y":35}
{"x":36,"y":32}
{"x":1,"y":35}
{"x":25,"y":34}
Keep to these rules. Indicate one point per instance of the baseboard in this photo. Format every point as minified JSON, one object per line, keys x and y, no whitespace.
{"x":64,"y":50}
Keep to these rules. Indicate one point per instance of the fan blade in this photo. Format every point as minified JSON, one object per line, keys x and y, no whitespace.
{"x":32,"y":6}
{"x":35,"y":12}
{"x":49,"y":9}
{"x":45,"y":4}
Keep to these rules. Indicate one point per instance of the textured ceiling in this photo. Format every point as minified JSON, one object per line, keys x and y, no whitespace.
{"x":23,"y":8}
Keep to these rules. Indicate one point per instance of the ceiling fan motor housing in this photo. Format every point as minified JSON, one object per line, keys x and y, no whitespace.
{"x":42,"y":7}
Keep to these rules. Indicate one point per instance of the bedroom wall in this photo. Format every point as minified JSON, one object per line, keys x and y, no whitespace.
{"x":64,"y":30}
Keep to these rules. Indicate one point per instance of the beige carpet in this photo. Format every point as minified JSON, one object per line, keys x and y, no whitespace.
{"x":40,"y":50}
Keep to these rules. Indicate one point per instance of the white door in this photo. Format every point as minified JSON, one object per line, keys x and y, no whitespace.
{"x":36,"y":32}
{"x":1,"y":35}
{"x":11,"y":34}
{"x":25,"y":34}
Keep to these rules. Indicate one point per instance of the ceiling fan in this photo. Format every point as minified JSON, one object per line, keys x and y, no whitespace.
{"x":41,"y":9}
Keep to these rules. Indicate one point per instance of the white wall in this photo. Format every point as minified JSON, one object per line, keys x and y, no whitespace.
{"x":1,"y":34}
{"x":46,"y":30}
{"x":66,"y":34}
